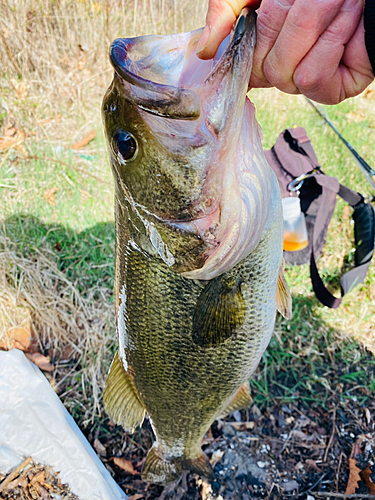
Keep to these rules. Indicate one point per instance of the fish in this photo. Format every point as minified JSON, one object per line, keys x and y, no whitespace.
{"x":199,"y":232}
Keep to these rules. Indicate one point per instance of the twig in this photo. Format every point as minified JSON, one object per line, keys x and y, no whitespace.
{"x":316,"y":483}
{"x":332,"y":435}
{"x":338,"y":470}
{"x":343,"y":495}
{"x":14,"y":474}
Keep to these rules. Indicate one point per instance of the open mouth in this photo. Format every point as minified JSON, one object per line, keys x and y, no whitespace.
{"x":164,"y":77}
{"x":198,"y":112}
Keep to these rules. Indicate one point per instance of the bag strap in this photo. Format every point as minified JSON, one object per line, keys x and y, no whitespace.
{"x":288,"y":166}
{"x":364,"y":231}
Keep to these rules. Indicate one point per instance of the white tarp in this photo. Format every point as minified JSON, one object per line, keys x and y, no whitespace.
{"x":34,"y":422}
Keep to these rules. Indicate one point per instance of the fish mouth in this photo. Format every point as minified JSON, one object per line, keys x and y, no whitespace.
{"x":198,"y":112}
{"x":156,"y":80}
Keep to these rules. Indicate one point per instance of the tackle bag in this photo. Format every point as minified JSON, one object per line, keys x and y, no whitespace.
{"x":296,"y":166}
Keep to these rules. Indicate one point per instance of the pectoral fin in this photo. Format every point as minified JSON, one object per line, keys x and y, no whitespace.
{"x":283,"y":296}
{"x":241,"y":400}
{"x":220,"y":311}
{"x":121,"y":399}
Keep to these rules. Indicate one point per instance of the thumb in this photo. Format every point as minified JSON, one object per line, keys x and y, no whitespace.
{"x":219,"y":21}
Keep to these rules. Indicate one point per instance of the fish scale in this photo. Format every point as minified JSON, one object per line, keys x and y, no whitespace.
{"x":188,"y":346}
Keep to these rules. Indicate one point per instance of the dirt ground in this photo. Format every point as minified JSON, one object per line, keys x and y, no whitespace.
{"x":288,"y":451}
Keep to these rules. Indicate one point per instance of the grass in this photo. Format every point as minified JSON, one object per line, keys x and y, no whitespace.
{"x":56,"y":208}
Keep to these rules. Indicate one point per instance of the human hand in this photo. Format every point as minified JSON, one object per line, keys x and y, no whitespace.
{"x":313,"y":47}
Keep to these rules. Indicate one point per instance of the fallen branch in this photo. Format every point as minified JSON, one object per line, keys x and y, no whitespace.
{"x":14,"y":474}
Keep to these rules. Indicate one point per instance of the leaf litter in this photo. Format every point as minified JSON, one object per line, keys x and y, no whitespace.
{"x":288,"y":451}
{"x":33,"y":481}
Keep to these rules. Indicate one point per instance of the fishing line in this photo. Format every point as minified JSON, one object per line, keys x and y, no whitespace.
{"x":367,"y":171}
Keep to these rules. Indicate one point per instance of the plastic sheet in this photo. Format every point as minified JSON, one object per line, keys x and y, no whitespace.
{"x":34,"y":422}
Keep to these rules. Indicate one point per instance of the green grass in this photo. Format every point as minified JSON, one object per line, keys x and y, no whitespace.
{"x":323,"y":355}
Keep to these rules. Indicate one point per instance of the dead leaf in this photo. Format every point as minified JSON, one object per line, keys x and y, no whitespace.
{"x":124,"y":465}
{"x":40,"y":478}
{"x":21,"y":88}
{"x":67,"y":353}
{"x":356,"y":448}
{"x":99,"y":448}
{"x":12,"y":137}
{"x":301,"y":435}
{"x":354,"y":477}
{"x":43,"y":493}
{"x":346,"y":213}
{"x":42,"y":362}
{"x":242,"y":425}
{"x":88,"y":138}
{"x":368,"y":416}
{"x":355,"y":117}
{"x":81,"y":64}
{"x":366,"y":476}
{"x":49,"y":195}
{"x":10,"y":131}
{"x":216,"y":457}
{"x":16,"y":337}
{"x":312,"y":464}
{"x":137,"y":496}
{"x":11,"y":142}
{"x":206,"y":490}
{"x":369,"y":94}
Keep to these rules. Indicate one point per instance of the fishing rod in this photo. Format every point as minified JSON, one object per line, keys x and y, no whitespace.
{"x":368,"y":172}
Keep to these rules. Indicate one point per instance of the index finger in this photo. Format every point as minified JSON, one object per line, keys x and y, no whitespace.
{"x":219,"y":21}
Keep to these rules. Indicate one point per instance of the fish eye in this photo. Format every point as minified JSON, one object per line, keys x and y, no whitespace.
{"x":124,"y":145}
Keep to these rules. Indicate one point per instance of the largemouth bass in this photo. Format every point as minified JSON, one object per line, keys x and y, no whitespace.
{"x":199,"y":240}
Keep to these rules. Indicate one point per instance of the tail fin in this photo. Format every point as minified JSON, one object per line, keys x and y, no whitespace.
{"x":158,"y":469}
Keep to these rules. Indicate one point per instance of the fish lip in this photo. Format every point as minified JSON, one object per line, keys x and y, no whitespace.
{"x":172,"y":102}
{"x":243,"y":31}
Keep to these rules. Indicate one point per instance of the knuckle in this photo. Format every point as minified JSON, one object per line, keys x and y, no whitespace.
{"x":307,"y":80}
{"x":278,"y":79}
{"x":317,"y":87}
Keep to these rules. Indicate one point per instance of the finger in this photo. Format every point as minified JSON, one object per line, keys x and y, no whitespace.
{"x":319,"y":75}
{"x":305,"y":22}
{"x":270,"y":20}
{"x":219,"y":21}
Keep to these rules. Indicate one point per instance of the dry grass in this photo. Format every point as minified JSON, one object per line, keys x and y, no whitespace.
{"x":66,"y":323}
{"x":54,"y":54}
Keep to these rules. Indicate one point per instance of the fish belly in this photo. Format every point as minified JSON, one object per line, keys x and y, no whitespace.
{"x":184,"y":386}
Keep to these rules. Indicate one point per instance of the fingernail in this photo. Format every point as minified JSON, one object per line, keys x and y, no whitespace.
{"x":202,"y":43}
